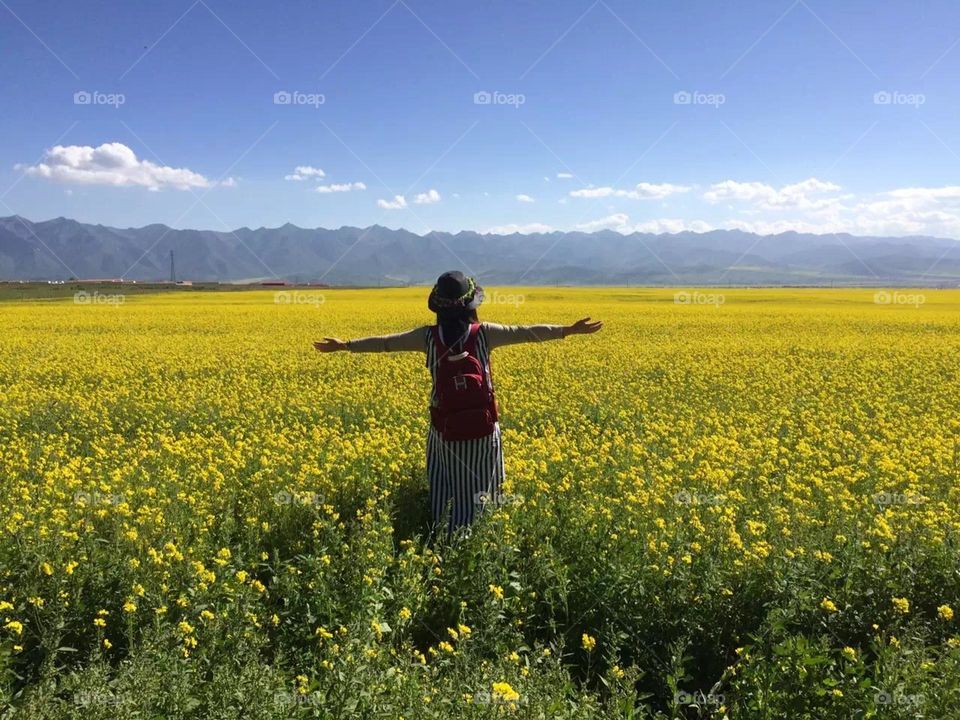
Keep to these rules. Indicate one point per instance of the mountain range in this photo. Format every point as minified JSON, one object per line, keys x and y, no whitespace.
{"x":62,"y":249}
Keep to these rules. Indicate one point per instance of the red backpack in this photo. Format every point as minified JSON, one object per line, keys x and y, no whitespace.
{"x":466,"y":408}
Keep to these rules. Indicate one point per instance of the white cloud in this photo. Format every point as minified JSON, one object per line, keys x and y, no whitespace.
{"x":399,"y":202}
{"x":654,"y":191}
{"x":620,"y":222}
{"x":904,"y":211}
{"x":522,"y":229}
{"x":341,"y":187}
{"x":599,"y":192}
{"x":111,"y":164}
{"x":733,"y":190}
{"x":428,"y":198}
{"x":809,"y":206}
{"x":617,"y":221}
{"x":949,"y":192}
{"x":643,"y":191}
{"x":564,"y":176}
{"x":229,"y":182}
{"x":305,"y":172}
{"x":804,"y":195}
{"x":671,"y":225}
{"x":525,"y":198}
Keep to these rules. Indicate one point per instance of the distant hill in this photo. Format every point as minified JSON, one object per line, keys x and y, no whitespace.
{"x":61,"y":249}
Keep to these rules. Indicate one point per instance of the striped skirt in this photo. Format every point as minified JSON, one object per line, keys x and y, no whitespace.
{"x":465,"y":477}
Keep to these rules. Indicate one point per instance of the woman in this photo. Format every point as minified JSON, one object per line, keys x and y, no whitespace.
{"x":464,"y":452}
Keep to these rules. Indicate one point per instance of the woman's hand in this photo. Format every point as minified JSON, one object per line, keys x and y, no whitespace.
{"x":583,"y":327}
{"x":330,"y":345}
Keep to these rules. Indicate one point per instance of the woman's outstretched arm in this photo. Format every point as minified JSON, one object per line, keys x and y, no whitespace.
{"x":500,"y":335}
{"x":410,"y":341}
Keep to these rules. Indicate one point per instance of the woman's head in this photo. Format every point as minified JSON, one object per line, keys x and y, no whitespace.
{"x":455,"y":292}
{"x":455,"y":299}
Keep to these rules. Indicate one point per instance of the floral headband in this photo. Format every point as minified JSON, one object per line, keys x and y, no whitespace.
{"x":443,"y":302}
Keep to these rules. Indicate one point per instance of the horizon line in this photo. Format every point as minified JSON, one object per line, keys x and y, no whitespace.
{"x":17,"y":216}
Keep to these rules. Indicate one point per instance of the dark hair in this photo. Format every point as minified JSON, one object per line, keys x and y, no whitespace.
{"x":455,"y":299}
{"x":455,"y":323}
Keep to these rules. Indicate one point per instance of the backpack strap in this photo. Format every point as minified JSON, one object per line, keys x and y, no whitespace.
{"x":438,"y":345}
{"x":469,"y":340}
{"x":470,"y":344}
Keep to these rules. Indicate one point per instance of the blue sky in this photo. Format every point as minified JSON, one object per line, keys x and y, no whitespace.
{"x":661,"y":116}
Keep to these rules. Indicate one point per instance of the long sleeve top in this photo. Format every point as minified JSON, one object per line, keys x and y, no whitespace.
{"x":496,"y":335}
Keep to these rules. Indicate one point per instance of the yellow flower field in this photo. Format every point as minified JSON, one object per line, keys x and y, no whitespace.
{"x":732,"y":503}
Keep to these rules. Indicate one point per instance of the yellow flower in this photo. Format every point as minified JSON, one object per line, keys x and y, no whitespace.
{"x":901,"y":605}
{"x":587,"y":642}
{"x":47,"y":568}
{"x":129,"y":606}
{"x":14,"y":626}
{"x":107,"y":644}
{"x":405,"y":613}
{"x":496,"y":591}
{"x":503,"y":692}
{"x":827,"y":605}
{"x":945,"y":612}
{"x":849,"y":653}
{"x":445,"y":646}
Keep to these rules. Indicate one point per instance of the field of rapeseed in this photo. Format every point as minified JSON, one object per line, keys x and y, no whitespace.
{"x":741,"y":505}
